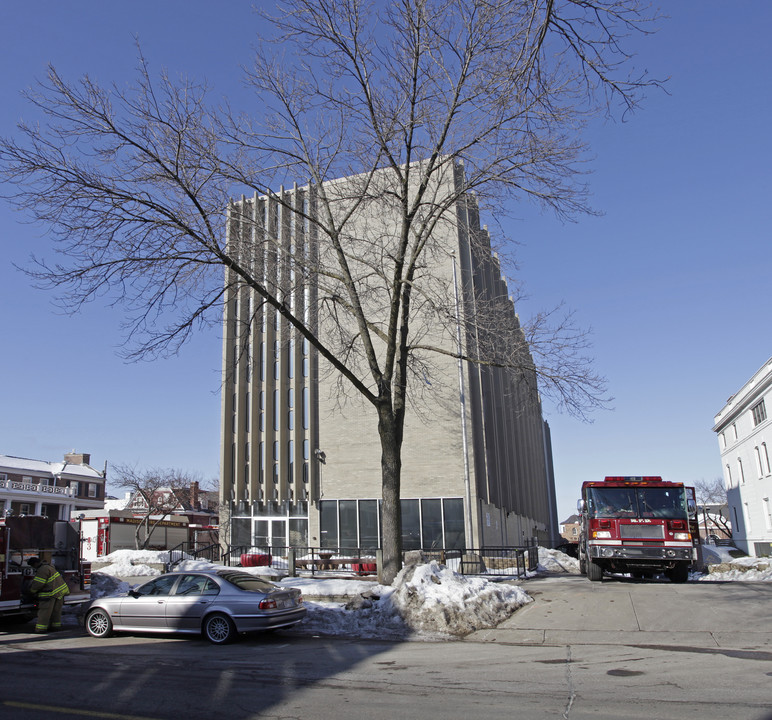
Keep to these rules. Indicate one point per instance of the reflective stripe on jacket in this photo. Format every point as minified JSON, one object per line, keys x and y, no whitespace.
{"x":48,"y":583}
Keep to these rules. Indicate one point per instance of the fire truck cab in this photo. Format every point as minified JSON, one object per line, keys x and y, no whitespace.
{"x":641,"y":525}
{"x":54,"y":541}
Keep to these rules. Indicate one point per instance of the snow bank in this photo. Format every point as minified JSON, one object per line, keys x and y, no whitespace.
{"x":432,"y":598}
{"x":428,"y":600}
{"x":554,"y":561}
{"x":133,"y":563}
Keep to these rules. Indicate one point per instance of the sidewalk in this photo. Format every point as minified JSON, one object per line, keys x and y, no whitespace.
{"x":572,"y":610}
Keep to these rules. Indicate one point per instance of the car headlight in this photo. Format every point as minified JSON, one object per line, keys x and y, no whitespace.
{"x":682,"y":536}
{"x":601,"y":534}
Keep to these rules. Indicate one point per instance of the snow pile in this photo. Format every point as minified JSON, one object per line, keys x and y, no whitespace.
{"x":724,"y":566}
{"x":133,"y":563}
{"x":554,"y":561}
{"x":427,"y":600}
{"x":433,"y":599}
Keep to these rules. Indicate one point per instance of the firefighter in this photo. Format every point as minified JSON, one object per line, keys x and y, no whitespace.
{"x":50,"y":588}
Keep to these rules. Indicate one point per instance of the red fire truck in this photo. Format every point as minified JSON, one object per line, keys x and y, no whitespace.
{"x":54,"y":541}
{"x":637,"y":525}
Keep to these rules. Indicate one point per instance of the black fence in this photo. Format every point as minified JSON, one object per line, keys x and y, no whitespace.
{"x":193,"y":550}
{"x":358,"y":562}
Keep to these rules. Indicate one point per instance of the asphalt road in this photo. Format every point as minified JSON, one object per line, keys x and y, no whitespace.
{"x":582,"y":650}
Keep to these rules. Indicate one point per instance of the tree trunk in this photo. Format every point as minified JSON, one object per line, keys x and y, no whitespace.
{"x":391,"y":516}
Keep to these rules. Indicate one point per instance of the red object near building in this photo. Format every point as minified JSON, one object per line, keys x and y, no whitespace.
{"x":255,"y":560}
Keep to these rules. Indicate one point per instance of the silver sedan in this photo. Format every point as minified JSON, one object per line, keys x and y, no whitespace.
{"x":216,"y":603}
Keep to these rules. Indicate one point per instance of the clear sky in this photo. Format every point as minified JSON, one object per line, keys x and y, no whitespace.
{"x":675,"y":278}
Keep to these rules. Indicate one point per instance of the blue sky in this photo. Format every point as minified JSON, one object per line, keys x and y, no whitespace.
{"x":674,"y":278}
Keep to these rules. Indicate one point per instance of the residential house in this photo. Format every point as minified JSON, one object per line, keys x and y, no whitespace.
{"x":53,"y":489}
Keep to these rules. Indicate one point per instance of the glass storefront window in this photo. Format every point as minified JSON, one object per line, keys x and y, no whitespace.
{"x":453,"y":511}
{"x":348,"y":524}
{"x":328,"y":523}
{"x":431,"y":523}
{"x":298,"y":533}
{"x":368,"y":525}
{"x":411,"y":525}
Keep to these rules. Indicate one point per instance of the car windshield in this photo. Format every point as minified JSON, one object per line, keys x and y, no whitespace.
{"x":661,"y":502}
{"x":245,"y":581}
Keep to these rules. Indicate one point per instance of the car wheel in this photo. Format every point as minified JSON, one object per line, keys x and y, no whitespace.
{"x":219,"y":629}
{"x":98,"y":624}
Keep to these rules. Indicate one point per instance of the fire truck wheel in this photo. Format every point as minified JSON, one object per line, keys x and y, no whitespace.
{"x":98,"y":624}
{"x":219,"y":629}
{"x":594,"y":571}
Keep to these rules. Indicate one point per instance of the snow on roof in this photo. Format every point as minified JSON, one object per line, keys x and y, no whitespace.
{"x":43,"y":467}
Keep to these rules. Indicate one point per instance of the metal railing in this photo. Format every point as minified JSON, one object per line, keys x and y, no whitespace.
{"x":191,"y":550}
{"x":359,"y":562}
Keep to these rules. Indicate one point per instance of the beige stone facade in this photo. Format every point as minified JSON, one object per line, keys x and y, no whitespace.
{"x":301,"y":454}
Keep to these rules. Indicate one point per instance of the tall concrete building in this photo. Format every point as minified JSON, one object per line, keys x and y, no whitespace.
{"x":301,"y":454}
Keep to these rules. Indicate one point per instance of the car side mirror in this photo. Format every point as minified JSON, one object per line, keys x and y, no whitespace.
{"x":691,"y":506}
{"x":134,"y":593}
{"x":580,"y":505}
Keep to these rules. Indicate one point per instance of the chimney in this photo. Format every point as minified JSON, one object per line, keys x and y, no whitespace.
{"x":74,"y":458}
{"x":194,"y":500}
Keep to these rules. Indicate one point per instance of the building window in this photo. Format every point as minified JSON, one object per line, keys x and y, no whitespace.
{"x":453,"y":514}
{"x":740,"y":471}
{"x":92,"y":490}
{"x":759,"y":466}
{"x":723,"y":440}
{"x":759,"y":413}
{"x":369,"y":528}
{"x":734,"y":430}
{"x":747,"y":513}
{"x":328,"y":523}
{"x":767,"y":513}
{"x":24,"y":509}
{"x":765,"y":457}
{"x":728,"y":476}
{"x":431,"y":523}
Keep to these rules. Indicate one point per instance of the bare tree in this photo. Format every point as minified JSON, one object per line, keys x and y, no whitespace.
{"x":424,"y":102}
{"x":712,"y":501}
{"x":153,"y":497}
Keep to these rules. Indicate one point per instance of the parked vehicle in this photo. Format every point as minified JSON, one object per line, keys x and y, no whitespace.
{"x":219,"y":604}
{"x":637,"y":525}
{"x":54,"y":541}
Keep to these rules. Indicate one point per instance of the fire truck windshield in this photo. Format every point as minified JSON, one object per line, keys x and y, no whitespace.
{"x":645,"y":502}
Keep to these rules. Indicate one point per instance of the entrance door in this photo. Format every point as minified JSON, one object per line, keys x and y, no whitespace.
{"x":270,"y":533}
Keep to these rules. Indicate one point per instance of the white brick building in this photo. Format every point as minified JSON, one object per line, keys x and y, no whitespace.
{"x":744,"y":429}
